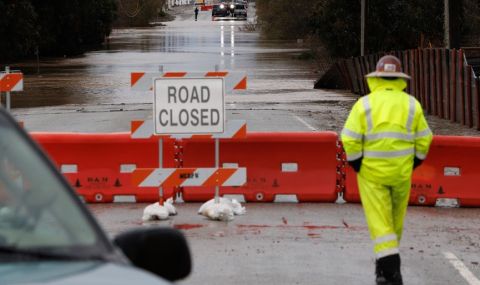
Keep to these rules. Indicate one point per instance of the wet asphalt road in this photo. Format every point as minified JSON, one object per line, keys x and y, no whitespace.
{"x":281,"y":243}
{"x":290,"y":243}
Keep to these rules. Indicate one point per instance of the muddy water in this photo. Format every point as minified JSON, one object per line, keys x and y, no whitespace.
{"x":103,"y":76}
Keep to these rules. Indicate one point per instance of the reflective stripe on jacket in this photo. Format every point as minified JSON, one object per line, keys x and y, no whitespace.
{"x":387,"y":129}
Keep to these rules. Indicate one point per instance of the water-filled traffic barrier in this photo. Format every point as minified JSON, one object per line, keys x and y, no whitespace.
{"x":449,"y":173}
{"x":300,"y":164}
{"x":100,"y":166}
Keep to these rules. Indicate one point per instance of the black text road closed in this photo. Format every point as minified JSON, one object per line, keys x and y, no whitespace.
{"x":189,"y":105}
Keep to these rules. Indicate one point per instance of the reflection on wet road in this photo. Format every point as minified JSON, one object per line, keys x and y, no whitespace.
{"x":102,"y":76}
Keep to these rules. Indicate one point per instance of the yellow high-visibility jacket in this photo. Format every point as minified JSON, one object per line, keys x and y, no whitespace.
{"x":386,"y":129}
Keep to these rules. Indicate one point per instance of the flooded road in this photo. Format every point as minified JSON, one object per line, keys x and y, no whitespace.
{"x":103,"y":76}
{"x":94,"y":89}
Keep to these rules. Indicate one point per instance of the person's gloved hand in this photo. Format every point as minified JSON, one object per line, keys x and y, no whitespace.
{"x":416,"y":162}
{"x":356,"y":164}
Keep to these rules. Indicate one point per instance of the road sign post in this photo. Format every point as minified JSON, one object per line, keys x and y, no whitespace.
{"x":7,"y":97}
{"x":160,"y":165}
{"x":190,"y":106}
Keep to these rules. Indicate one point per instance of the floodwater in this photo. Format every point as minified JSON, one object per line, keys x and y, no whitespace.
{"x":103,"y":76}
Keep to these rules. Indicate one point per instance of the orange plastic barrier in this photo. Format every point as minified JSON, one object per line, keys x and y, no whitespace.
{"x":301,"y":164}
{"x":450,"y":172}
{"x":99,"y":166}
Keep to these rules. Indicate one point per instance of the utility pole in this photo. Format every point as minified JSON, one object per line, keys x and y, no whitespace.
{"x":446,"y":24}
{"x":362,"y":27}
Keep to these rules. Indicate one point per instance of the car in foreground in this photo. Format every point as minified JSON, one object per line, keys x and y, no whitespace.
{"x":47,"y":235}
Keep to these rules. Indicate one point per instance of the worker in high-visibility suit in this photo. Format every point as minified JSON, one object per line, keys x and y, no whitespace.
{"x":385,"y":137}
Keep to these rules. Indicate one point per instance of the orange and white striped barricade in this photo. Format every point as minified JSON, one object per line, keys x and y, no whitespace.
{"x":234,"y":80}
{"x":182,"y":177}
{"x":10,"y":82}
{"x":234,"y":129}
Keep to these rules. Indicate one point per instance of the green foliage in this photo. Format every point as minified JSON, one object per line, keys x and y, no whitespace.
{"x":471,"y":23}
{"x":18,"y":32}
{"x":53,"y":27}
{"x":337,"y":24}
{"x":138,"y":13}
{"x":390,"y":25}
{"x":284,"y":19}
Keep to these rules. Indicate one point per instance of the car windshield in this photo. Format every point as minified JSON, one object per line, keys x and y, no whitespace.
{"x":37,"y":214}
{"x":239,"y":6}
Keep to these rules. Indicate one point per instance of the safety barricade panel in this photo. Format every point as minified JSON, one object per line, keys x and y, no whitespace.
{"x":301,"y":164}
{"x":100,"y":166}
{"x":449,"y":172}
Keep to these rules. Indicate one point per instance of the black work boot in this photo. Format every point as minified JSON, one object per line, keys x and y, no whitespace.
{"x":380,"y":279}
{"x":388,"y":270}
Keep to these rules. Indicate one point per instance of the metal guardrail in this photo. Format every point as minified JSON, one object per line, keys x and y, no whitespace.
{"x":442,"y":80}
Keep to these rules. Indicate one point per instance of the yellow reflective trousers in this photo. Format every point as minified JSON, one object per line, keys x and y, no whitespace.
{"x":385,"y":207}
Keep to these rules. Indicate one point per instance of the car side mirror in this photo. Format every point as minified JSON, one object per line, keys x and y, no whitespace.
{"x":162,"y":251}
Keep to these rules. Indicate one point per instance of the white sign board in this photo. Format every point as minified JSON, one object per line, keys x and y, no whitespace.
{"x":189,"y":105}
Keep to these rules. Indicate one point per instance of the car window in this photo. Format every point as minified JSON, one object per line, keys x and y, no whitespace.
{"x":240,"y":7}
{"x":36,"y":211}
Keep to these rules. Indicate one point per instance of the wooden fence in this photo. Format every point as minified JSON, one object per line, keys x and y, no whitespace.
{"x":442,"y":81}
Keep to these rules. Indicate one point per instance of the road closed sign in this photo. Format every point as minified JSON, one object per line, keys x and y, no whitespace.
{"x":189,"y":105}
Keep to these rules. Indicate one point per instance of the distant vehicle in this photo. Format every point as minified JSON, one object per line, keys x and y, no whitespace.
{"x":221,"y":10}
{"x":229,"y":11}
{"x":48,"y":236}
{"x":244,"y":2}
{"x":240,"y":11}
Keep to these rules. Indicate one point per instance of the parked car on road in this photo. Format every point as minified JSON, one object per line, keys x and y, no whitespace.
{"x":240,"y":11}
{"x":48,"y":236}
{"x":221,"y":10}
{"x":229,"y":11}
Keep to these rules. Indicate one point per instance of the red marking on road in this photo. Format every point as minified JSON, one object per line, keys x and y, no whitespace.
{"x":308,"y":227}
{"x":254,"y":226}
{"x":187,"y":226}
{"x":321,"y":227}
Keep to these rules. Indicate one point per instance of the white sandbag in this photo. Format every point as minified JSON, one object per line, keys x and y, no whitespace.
{"x":237,"y":208}
{"x":224,"y":210}
{"x":155,"y":212}
{"x":219,"y":212}
{"x":169,"y":206}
